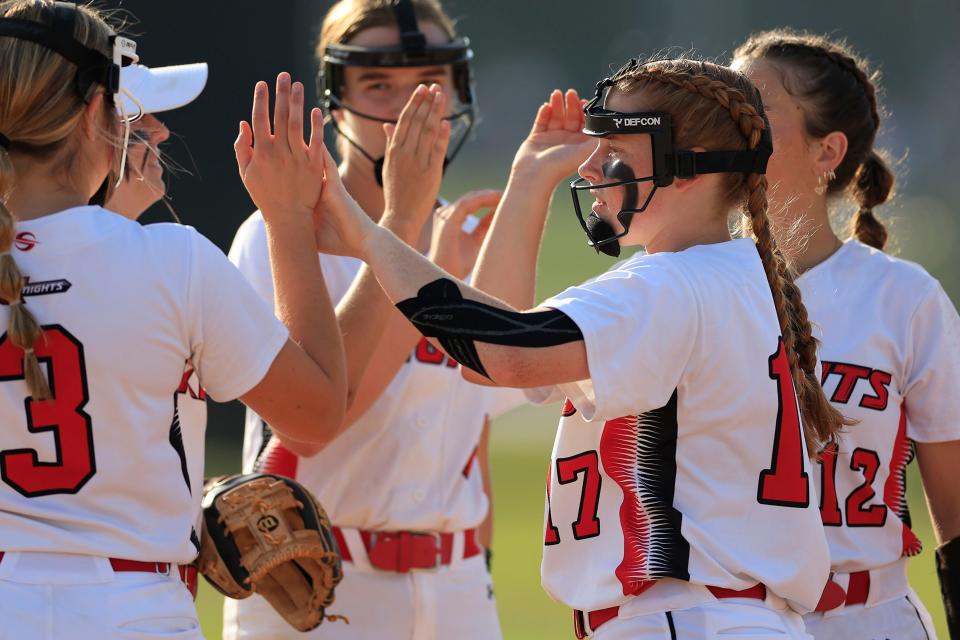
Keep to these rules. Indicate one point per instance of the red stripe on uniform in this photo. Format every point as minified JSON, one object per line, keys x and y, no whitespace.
{"x":618,"y":451}
{"x":277,"y":459}
{"x":895,"y":488}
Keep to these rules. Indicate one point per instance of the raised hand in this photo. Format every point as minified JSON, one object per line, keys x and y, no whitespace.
{"x":453,"y":249}
{"x":556,"y":145}
{"x":413,"y":169}
{"x":282,"y":173}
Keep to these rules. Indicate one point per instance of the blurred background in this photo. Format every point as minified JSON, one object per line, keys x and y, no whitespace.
{"x":523,"y":50}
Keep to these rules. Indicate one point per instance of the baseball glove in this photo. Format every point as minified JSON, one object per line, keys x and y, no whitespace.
{"x":265,"y":533}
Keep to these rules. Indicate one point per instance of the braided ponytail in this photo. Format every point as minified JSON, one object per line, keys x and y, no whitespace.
{"x":838,"y":92}
{"x":22,"y":329}
{"x":872,"y":186}
{"x":719,"y":95}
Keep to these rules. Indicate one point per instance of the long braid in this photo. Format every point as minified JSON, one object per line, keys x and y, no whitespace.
{"x":821,"y":421}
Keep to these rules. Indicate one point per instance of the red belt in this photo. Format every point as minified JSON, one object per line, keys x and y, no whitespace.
{"x":858,"y":589}
{"x":597,"y":618}
{"x":402,"y":551}
{"x":187,"y":572}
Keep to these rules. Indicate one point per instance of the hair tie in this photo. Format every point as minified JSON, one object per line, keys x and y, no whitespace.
{"x":4,"y":142}
{"x":17,"y":301}
{"x":28,"y":351}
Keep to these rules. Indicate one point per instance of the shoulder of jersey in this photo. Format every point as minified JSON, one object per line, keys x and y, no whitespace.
{"x":908,"y":276}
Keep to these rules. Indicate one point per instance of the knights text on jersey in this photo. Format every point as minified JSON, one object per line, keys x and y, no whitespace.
{"x":683,"y":456}
{"x":135,"y":318}
{"x":891,"y":360}
{"x":408,"y":463}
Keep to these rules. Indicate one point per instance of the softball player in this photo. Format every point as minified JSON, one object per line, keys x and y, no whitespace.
{"x":169,"y":88}
{"x":404,"y":484}
{"x":100,"y":474}
{"x":891,"y":339}
{"x":680,"y":500}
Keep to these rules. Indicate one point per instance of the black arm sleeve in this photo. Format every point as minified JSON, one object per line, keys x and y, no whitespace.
{"x":440,"y":311}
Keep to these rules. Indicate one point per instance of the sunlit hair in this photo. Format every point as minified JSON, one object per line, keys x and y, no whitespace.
{"x":717,"y":108}
{"x":838,"y":92}
{"x":39,"y":111}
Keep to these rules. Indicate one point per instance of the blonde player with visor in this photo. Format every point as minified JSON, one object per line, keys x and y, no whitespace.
{"x":100,"y":476}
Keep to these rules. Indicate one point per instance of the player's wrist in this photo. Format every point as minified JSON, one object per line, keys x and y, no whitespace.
{"x":403,"y":222}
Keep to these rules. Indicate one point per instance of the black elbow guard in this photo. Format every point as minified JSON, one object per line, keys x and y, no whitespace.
{"x":440,"y":311}
{"x":948,"y":571}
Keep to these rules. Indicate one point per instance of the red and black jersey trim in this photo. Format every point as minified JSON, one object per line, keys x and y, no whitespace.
{"x":639,"y":454}
{"x":176,"y":441}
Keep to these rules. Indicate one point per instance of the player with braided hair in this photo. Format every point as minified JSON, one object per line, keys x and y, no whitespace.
{"x":891,"y":344}
{"x":680,"y":499}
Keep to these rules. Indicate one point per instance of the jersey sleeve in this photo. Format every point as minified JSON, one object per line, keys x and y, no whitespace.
{"x":639,"y":325}
{"x":234,"y":336}
{"x":250,"y":254}
{"x":932,"y":391}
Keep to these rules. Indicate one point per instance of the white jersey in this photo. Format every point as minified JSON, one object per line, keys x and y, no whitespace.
{"x":113,"y":466}
{"x":682,"y":456}
{"x":408,"y":463}
{"x":891,"y":360}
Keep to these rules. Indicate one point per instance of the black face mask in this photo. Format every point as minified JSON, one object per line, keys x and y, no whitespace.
{"x":600,"y":233}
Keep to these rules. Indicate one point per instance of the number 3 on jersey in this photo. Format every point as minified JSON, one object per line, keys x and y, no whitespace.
{"x":785,"y":482}
{"x":63,"y":415}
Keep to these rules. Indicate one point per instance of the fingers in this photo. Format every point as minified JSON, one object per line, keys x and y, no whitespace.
{"x":573,"y":116}
{"x":471,"y":202}
{"x":315,"y":147}
{"x":556,"y":110}
{"x":542,"y":119}
{"x":281,"y":111}
{"x":260,"y":117}
{"x":483,"y":227}
{"x":430,"y":130}
{"x":389,"y":130}
{"x":243,"y":147}
{"x":408,"y":115}
{"x":295,"y":123}
{"x":441,"y":142}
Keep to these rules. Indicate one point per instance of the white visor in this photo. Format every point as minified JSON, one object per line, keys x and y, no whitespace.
{"x":160,"y":89}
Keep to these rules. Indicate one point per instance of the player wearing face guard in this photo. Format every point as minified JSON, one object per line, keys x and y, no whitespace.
{"x":405,"y":483}
{"x":435,"y":46}
{"x":680,"y":500}
{"x":891,"y":339}
{"x":103,"y":321}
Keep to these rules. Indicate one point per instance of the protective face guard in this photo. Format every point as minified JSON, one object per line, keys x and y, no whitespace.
{"x":668,"y":163}
{"x":92,"y":66}
{"x":413,"y":51}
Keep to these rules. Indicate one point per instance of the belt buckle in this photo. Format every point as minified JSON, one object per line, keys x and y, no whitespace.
{"x":438,"y":558}
{"x":163,"y":572}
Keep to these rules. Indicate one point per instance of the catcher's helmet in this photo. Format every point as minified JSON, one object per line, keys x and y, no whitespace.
{"x":413,"y":51}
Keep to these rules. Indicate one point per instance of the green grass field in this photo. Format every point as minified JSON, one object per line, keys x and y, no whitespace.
{"x":520,"y":454}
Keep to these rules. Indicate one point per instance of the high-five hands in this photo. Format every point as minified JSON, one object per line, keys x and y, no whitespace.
{"x":282,"y":173}
{"x":413,"y":169}
{"x":556,"y":145}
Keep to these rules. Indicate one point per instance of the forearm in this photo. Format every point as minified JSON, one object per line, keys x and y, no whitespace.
{"x":507,"y":265}
{"x":302,"y":303}
{"x":937,"y":463}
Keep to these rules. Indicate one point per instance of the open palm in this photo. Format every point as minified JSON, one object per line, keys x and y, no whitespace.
{"x":556,"y":145}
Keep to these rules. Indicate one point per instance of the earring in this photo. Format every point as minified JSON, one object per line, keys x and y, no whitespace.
{"x":824,"y":181}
